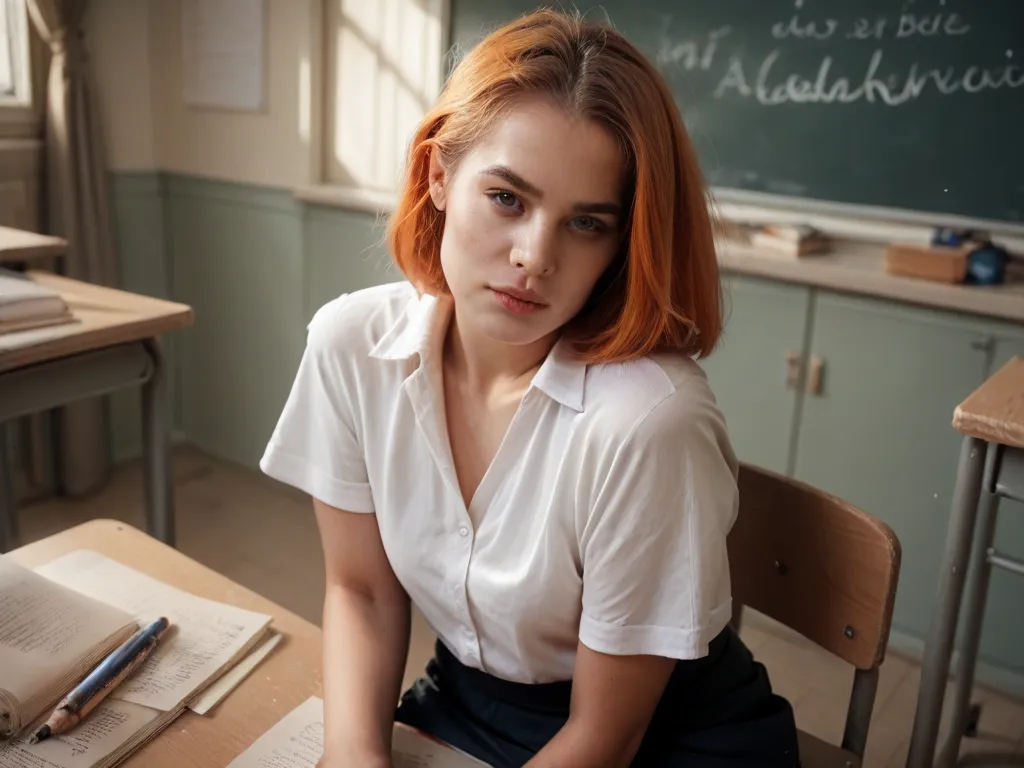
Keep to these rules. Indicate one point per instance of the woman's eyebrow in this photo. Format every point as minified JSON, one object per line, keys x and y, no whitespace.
{"x":513,"y":178}
{"x":610,"y":208}
{"x":517,"y":181}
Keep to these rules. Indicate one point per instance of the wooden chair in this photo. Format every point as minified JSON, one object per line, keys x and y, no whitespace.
{"x":827,"y":570}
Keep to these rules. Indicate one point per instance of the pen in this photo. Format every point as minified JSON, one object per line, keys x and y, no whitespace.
{"x":107,"y":675}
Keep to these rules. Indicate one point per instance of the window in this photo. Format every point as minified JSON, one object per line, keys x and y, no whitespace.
{"x":382,"y":65}
{"x":15,"y":88}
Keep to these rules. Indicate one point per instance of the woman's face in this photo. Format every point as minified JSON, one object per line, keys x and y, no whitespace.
{"x":533,"y":217}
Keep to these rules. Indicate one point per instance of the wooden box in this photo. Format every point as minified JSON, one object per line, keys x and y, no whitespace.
{"x":944,"y":265}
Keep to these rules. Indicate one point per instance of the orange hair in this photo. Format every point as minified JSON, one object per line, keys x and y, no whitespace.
{"x":662,"y":292}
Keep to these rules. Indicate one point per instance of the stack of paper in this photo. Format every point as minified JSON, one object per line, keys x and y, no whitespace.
{"x":26,"y":304}
{"x":207,"y":640}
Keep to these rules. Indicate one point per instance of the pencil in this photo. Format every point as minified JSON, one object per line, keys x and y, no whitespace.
{"x":98,"y":684}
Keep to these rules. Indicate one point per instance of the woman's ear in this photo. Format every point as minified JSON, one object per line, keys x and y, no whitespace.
{"x":436,"y":179}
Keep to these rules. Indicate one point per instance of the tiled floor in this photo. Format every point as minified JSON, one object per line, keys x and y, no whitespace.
{"x":264,"y":536}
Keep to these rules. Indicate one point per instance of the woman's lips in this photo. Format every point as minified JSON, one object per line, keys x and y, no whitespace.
{"x":515,"y":304}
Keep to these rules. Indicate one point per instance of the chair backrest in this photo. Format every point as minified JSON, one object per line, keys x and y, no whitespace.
{"x":815,"y":563}
{"x":822,"y":567}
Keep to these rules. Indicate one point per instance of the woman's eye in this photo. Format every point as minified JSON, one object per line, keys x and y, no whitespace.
{"x":505,"y":199}
{"x":589,"y":224}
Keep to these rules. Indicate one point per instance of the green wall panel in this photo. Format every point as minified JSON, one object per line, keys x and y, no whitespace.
{"x":344,"y":251}
{"x":141,"y":237}
{"x":236,"y":258}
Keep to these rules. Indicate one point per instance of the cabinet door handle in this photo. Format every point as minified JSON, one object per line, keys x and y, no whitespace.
{"x":792,"y":369}
{"x":815,"y":376}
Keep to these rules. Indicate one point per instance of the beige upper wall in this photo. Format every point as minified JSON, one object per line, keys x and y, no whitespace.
{"x":136,"y":56}
{"x":117,"y":34}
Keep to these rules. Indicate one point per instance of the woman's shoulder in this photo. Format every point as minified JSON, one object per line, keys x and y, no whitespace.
{"x":355,"y":322}
{"x":657,"y":397}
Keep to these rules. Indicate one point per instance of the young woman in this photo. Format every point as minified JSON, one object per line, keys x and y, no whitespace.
{"x":519,"y":441}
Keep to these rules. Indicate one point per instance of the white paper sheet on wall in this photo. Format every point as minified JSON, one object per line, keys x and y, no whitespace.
{"x":222,"y":46}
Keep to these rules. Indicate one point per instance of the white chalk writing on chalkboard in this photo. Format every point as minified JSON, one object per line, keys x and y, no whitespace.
{"x":691,"y":54}
{"x":770,"y":88}
{"x":804,"y":29}
{"x":772,"y":80}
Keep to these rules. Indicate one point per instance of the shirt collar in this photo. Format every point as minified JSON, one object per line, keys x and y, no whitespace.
{"x":420,"y":331}
{"x":413,"y":333}
{"x":562,"y":377}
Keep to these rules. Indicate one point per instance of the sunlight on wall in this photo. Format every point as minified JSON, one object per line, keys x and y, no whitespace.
{"x":384,"y":70}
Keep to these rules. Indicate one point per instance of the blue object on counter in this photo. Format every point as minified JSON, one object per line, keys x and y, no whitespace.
{"x":947,"y":236}
{"x":986,"y":265}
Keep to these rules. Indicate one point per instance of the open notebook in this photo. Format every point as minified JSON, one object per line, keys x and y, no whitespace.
{"x":206,"y":640}
{"x":26,"y":304}
{"x":50,"y":637}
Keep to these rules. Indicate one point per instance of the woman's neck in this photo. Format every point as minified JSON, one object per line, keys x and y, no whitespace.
{"x":485,"y":366}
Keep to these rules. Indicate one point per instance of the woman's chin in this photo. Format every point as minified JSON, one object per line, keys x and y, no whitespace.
{"x":515,"y":331}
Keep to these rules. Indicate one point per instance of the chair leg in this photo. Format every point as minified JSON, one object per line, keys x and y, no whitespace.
{"x":737,"y":616}
{"x":858,"y":717}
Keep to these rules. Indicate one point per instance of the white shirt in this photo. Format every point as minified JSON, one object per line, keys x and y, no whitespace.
{"x":602,"y":518}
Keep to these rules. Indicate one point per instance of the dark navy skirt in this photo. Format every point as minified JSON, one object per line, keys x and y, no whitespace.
{"x":716,"y":712}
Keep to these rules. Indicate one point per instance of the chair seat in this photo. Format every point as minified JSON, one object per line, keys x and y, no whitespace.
{"x":815,"y":753}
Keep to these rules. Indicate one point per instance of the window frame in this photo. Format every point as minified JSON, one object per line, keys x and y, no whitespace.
{"x":22,"y":115}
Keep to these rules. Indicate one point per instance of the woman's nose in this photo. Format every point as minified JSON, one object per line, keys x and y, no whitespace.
{"x":535,"y":253}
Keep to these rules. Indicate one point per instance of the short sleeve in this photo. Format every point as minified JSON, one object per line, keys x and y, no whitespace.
{"x":314,"y":446}
{"x":655,"y":565}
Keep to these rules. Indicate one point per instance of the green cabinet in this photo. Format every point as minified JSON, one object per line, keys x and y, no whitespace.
{"x":878,"y":431}
{"x":870,"y":421}
{"x":765,"y":324}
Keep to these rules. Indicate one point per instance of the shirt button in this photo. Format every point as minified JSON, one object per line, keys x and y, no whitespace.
{"x":463,"y":531}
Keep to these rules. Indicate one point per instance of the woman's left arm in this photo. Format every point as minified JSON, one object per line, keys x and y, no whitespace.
{"x":613,"y":700}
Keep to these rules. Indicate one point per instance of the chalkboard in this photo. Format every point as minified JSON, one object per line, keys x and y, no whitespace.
{"x":916,"y":105}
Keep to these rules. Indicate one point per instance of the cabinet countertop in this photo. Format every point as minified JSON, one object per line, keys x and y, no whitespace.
{"x":860,"y":268}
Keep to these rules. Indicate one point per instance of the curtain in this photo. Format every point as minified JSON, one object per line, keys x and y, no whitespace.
{"x":77,"y":207}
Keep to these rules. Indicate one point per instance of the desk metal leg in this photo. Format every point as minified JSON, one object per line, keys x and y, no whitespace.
{"x":974,"y":610}
{"x":8,"y":512}
{"x":156,"y":446}
{"x":935,"y":667}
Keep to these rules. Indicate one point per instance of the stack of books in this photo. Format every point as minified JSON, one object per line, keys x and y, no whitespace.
{"x":794,"y":240}
{"x":59,"y":621}
{"x":25,"y":304}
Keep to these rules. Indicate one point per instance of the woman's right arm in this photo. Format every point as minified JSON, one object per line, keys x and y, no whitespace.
{"x":365,"y":640}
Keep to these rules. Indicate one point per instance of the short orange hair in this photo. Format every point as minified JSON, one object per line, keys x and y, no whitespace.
{"x":662,"y":292}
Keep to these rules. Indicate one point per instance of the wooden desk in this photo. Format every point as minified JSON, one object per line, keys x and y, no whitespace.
{"x":995,"y":411}
{"x":991,"y":467}
{"x":282,"y":681}
{"x":113,"y":344}
{"x":23,"y":246}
